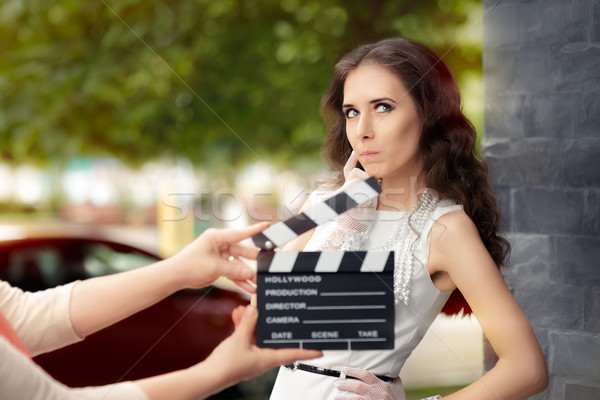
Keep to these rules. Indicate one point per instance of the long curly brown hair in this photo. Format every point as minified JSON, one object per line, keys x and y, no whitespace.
{"x":452,"y":164}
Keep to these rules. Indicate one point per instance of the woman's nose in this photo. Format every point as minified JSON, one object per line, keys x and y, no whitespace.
{"x":365,"y":127}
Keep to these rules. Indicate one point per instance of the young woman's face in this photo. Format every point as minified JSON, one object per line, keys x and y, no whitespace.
{"x":382,"y":123}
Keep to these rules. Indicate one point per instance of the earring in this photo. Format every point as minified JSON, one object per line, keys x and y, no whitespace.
{"x":379,"y":180}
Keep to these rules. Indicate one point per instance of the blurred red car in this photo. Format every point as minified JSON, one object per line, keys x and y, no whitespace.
{"x":173,"y":334}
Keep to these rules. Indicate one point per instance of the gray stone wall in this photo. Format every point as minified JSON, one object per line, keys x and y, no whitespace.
{"x":542,"y":142}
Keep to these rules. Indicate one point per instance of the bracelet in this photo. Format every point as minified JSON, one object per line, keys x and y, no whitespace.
{"x":436,"y":397}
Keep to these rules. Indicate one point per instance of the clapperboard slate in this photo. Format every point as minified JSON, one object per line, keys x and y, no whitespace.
{"x":330,"y":300}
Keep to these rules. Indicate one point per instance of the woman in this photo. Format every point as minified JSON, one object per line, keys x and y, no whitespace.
{"x":34,"y":323}
{"x":393,"y":112}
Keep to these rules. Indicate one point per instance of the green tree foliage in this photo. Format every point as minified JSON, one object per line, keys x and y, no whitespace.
{"x":221,"y":82}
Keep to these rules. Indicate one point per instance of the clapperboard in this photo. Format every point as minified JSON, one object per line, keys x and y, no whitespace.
{"x":329,"y":300}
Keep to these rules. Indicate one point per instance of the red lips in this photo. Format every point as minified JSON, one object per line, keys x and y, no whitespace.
{"x":368,"y":155}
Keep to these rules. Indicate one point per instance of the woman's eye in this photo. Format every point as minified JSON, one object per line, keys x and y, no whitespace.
{"x":351,"y":113}
{"x":383,"y":107}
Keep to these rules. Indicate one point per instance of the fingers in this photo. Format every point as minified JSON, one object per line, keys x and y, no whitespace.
{"x":240,"y":250}
{"x":235,"y":269}
{"x":235,"y":235}
{"x":353,"y":397}
{"x":246,"y":326}
{"x":237,"y":314}
{"x":367,"y":386}
{"x":248,"y":321}
{"x":361,"y":374}
{"x":286,"y":356}
{"x":245,"y":285}
{"x":352,"y":386}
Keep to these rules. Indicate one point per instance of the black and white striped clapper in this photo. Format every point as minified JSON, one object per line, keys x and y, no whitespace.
{"x":282,"y":232}
{"x":330,"y":300}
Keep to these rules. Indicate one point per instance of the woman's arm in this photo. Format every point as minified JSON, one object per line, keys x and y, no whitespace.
{"x":21,"y":378}
{"x":235,"y":359}
{"x":458,"y":253}
{"x":40,"y":319}
{"x":100,"y":302}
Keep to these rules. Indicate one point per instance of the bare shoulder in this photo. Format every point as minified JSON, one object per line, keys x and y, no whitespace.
{"x":456,"y":245}
{"x":452,"y":229}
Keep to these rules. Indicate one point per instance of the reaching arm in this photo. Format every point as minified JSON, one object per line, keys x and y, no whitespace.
{"x":100,"y":302}
{"x":458,"y":253}
{"x":235,"y":359}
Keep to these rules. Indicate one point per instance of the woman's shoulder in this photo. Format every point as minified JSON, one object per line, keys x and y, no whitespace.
{"x":454,"y":239}
{"x":444,"y":207}
{"x":452,"y":227}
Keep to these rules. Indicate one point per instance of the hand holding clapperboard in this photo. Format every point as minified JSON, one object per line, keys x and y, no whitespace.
{"x":330,"y":300}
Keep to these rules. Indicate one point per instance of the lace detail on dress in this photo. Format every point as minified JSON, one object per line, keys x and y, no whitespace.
{"x":345,"y":239}
{"x":404,"y":238}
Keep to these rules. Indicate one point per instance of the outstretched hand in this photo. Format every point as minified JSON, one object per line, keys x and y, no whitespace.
{"x":215,"y":253}
{"x":238,"y":356}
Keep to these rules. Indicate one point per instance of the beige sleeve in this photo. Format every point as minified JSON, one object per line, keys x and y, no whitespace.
{"x":21,"y":378}
{"x":41,"y":319}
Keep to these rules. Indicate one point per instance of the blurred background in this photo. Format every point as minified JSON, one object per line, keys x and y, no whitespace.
{"x":162,"y":118}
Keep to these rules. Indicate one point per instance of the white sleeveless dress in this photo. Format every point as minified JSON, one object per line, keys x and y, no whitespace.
{"x":412,"y":320}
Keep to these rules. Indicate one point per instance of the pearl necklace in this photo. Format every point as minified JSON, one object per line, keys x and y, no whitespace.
{"x":407,"y":231}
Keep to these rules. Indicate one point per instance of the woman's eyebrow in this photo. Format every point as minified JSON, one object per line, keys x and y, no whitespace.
{"x":382,"y":99}
{"x":374,"y":101}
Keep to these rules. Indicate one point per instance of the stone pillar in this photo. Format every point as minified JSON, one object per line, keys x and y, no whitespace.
{"x":542,"y":142}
